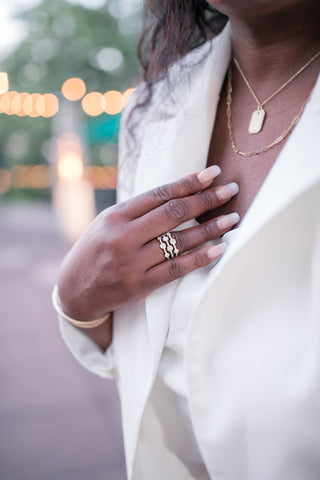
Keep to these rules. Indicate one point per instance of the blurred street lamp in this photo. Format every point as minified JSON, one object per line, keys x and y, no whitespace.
{"x":73,"y":196}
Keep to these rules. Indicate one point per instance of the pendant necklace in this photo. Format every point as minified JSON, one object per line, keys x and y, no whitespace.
{"x":259,"y":115}
{"x":266,"y":148}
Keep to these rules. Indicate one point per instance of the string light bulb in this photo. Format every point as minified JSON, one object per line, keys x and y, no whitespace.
{"x":93,"y":104}
{"x":73,"y":89}
{"x":114,"y":102}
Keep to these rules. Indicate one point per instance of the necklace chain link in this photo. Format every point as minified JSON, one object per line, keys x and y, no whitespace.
{"x":261,"y":104}
{"x":283,"y":135}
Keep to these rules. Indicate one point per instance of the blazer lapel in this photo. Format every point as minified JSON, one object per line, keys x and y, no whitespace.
{"x":296,"y":169}
{"x":180,"y":127}
{"x":214,"y":323}
{"x":177,"y":144}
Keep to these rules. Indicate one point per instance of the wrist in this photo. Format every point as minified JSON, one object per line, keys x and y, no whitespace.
{"x":76,"y":301}
{"x":78,"y":321}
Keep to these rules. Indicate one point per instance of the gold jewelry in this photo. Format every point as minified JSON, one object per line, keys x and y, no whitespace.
{"x":76,"y":323}
{"x":258,"y":116}
{"x":283,"y":135}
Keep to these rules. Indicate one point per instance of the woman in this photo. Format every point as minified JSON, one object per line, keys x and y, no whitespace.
{"x":216,"y":351}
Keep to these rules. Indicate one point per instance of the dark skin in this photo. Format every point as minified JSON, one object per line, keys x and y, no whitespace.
{"x":117,"y":260}
{"x":271,"y":40}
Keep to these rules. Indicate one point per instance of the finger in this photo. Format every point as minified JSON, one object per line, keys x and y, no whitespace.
{"x":189,"y":185}
{"x":179,"y":266}
{"x":190,"y":238}
{"x":177,"y":211}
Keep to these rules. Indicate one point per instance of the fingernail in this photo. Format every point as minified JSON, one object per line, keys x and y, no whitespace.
{"x":227,"y":191}
{"x":228,"y":220}
{"x":217,"y":250}
{"x":208,"y":174}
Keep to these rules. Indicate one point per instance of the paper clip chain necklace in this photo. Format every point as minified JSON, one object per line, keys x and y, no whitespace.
{"x":258,"y":116}
{"x":283,"y":135}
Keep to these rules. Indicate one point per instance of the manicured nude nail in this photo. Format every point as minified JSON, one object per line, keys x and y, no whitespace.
{"x":217,"y":250}
{"x":227,"y":191}
{"x":227,"y":221}
{"x":209,"y":174}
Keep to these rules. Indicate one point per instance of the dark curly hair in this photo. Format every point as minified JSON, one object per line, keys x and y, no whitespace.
{"x":171,"y":29}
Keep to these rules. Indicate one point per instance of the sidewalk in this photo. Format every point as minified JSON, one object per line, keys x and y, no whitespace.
{"x":57,"y":421}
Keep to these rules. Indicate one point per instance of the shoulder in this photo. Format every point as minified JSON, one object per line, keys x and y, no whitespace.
{"x":181,"y":74}
{"x":186,"y":83}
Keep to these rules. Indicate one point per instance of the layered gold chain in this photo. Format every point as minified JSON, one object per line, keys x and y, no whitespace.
{"x":262,"y":104}
{"x":283,"y":135}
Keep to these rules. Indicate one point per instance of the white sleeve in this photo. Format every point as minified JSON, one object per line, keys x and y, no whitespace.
{"x":85,"y":351}
{"x":130,"y":139}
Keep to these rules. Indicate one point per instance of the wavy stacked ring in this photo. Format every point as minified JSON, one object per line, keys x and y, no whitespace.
{"x":168,"y":245}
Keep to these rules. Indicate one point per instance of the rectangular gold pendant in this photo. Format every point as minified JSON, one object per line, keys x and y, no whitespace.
{"x":256,"y":122}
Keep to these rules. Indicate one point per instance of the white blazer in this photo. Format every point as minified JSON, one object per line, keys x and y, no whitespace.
{"x":253,"y":350}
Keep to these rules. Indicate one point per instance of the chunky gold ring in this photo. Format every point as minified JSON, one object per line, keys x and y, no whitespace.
{"x":168,"y":245}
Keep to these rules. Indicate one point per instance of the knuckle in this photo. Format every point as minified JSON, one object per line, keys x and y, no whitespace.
{"x":209,"y":231}
{"x":207,"y":198}
{"x":109,"y":214}
{"x":189,"y":184}
{"x":174,"y":270}
{"x":112,"y":218}
{"x":176,"y":210}
{"x":162,"y":193}
{"x":198,"y":260}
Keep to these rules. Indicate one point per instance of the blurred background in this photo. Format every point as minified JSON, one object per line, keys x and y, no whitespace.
{"x":67,"y":69}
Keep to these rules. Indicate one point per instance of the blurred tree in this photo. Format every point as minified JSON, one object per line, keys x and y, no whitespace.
{"x":67,"y":40}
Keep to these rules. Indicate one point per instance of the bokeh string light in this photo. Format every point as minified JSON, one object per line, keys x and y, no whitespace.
{"x":93,"y":104}
{"x":73,"y":89}
{"x":127,"y":94}
{"x":35,"y":105}
{"x":40,"y":177}
{"x":32,"y":105}
{"x":51,"y":105}
{"x":46,"y":105}
{"x":114,"y":102}
{"x":5,"y":102}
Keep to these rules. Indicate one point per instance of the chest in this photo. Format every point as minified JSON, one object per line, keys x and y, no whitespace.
{"x":248,"y":172}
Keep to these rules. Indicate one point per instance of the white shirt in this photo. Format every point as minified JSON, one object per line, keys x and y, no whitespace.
{"x":166,"y":428}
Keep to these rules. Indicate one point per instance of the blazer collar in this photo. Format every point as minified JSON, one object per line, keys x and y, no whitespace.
{"x":296,"y":169}
{"x":196,"y":79}
{"x":295,"y":173}
{"x":179,"y":131}
{"x":179,"y":122}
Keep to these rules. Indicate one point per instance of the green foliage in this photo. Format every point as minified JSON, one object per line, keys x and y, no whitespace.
{"x":63,"y":42}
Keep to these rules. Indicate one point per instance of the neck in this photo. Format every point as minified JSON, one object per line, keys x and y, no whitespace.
{"x":276,"y":44}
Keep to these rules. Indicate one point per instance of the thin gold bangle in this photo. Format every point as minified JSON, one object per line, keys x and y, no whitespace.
{"x":77,"y":323}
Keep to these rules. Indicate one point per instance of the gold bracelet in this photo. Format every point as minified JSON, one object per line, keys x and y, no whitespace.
{"x":76,"y":323}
